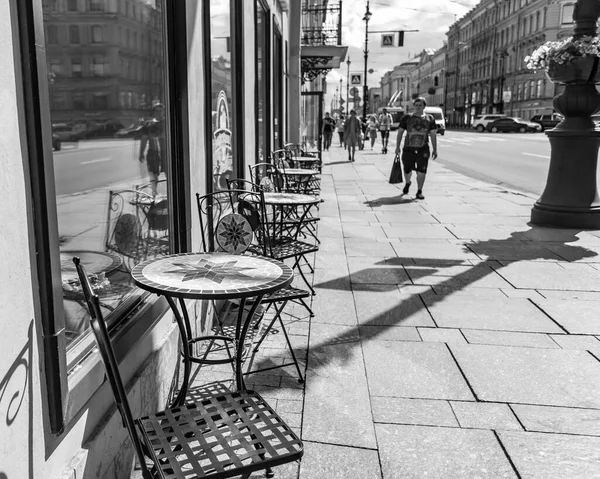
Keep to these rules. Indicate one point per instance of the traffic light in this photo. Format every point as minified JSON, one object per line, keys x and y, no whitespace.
{"x":401,"y":38}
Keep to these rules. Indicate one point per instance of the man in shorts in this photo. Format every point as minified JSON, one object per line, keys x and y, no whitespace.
{"x":385,"y":125}
{"x":415,"y":153}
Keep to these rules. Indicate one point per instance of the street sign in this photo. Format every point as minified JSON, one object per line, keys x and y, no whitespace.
{"x":354,"y":91}
{"x":387,"y":39}
{"x":342,"y":101}
{"x":356,"y":78}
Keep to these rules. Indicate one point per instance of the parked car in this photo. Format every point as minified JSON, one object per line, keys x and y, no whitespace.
{"x":513,"y":124}
{"x":56,"y":143}
{"x":63,"y":131}
{"x":481,"y":121}
{"x":547,"y":121}
{"x":438,"y":116}
{"x":102,"y":130}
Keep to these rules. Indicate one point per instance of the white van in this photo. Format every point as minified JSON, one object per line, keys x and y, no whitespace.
{"x":438,"y":115}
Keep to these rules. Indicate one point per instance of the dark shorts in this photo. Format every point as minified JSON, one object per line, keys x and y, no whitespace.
{"x":384,"y":134}
{"x":415,"y":159}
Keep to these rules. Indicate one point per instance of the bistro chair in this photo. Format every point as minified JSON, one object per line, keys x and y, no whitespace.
{"x":266,"y":176}
{"x":214,"y":435}
{"x":244,"y":205}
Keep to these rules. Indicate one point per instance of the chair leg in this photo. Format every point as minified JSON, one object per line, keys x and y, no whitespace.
{"x":297,"y":267}
{"x":307,"y":307}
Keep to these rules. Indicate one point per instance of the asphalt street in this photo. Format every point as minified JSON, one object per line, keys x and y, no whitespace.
{"x":516,"y":160}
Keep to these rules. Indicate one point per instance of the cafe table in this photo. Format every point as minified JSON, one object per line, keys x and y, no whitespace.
{"x":298,"y":178}
{"x":211,"y":276}
{"x":305,"y":161}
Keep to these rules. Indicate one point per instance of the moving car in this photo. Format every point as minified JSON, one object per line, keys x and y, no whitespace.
{"x":482,"y":121}
{"x":547,"y":121}
{"x":438,"y":115}
{"x":513,"y":124}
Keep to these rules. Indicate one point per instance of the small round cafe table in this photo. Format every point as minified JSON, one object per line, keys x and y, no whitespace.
{"x":211,"y":276}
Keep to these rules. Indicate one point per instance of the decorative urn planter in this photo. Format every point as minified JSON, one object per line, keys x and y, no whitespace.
{"x":578,"y":71}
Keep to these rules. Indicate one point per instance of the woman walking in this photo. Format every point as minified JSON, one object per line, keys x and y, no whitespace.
{"x":372,"y":127}
{"x":352,"y":133}
{"x":340,"y":129}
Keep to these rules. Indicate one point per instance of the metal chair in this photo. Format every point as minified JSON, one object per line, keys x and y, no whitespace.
{"x":212,"y":209}
{"x":215,"y":435}
{"x":266,"y":176}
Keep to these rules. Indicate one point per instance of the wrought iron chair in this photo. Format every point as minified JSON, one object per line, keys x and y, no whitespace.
{"x":213,"y":210}
{"x":266,"y":176}
{"x":215,"y":435}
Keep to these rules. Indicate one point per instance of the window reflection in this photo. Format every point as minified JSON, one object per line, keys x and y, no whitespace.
{"x":107,"y":97}
{"x":221,"y":93}
{"x":262,"y":72}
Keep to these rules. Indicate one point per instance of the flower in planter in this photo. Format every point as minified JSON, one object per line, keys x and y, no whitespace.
{"x":561,"y":52}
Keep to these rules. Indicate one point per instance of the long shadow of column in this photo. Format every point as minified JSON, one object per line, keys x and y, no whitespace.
{"x":404,"y":310}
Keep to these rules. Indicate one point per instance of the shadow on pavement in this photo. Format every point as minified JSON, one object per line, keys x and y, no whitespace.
{"x":391,"y":200}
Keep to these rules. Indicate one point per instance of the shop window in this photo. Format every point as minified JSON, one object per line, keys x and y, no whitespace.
{"x":539,"y":88}
{"x":532,"y":89}
{"x":262,"y":82}
{"x":98,"y":210}
{"x":72,"y":5}
{"x":51,"y":34}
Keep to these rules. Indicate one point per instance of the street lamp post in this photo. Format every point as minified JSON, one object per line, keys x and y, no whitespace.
{"x":341,"y":96}
{"x":366,"y":19}
{"x":348,"y":83}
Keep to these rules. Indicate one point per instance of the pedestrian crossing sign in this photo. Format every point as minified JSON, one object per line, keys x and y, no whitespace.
{"x":387,"y":39}
{"x":356,"y":79}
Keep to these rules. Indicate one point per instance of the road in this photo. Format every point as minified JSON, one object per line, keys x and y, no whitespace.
{"x":88,"y":165}
{"x":516,"y":160}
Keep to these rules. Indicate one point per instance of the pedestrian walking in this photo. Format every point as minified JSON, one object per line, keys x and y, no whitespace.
{"x":340,"y":129}
{"x":385,"y":125}
{"x":419,"y":128}
{"x":372,"y":128}
{"x":152,"y":145}
{"x":328,"y":127}
{"x":352,"y":134}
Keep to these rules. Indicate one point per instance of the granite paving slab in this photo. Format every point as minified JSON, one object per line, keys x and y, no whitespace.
{"x":481,"y":415}
{"x":441,"y":335}
{"x":511,"y":250}
{"x":423,"y":412}
{"x":440,"y":452}
{"x":420,"y":249}
{"x":375,"y":271}
{"x":500,"y":314}
{"x":577,"y":317}
{"x":386,"y":305}
{"x":331,"y":461}
{"x":413,"y":370}
{"x":552,"y":456}
{"x":358,"y":247}
{"x":553,"y":377}
{"x":334,"y":307}
{"x":368,"y":232}
{"x":418,"y":231}
{"x":561,"y":420}
{"x":506,"y":338}
{"x":389,"y":333}
{"x":404,"y":217}
{"x":550,"y":275}
{"x":480,"y":219}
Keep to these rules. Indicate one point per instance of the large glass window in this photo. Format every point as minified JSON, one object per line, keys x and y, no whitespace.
{"x":221,"y":90}
{"x":262,"y":82}
{"x":110,"y":160}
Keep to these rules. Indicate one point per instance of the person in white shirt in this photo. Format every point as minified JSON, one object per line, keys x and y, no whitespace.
{"x":385,"y":125}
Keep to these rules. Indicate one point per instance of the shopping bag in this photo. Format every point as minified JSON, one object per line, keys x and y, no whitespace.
{"x":396,"y":173}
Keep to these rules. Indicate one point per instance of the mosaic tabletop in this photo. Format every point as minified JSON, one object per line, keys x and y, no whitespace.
{"x":94,"y":262}
{"x":287,"y":199}
{"x":299,"y":171}
{"x":212,"y":275}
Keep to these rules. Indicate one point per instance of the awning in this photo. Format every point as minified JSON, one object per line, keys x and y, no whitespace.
{"x":320,"y":59}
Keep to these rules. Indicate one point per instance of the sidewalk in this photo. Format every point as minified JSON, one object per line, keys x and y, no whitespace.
{"x":450,"y":339}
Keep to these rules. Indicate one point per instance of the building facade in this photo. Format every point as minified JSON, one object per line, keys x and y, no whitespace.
{"x":215,"y":86}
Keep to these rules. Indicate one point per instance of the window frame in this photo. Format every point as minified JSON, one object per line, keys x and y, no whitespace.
{"x":68,"y":391}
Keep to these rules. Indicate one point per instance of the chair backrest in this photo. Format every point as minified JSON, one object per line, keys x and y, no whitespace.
{"x":282,"y":158}
{"x":108,"y":358}
{"x":231,"y":220}
{"x":266,"y":176}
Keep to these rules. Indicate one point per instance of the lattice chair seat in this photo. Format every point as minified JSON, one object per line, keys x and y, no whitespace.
{"x":288,"y":248}
{"x":221,"y":436}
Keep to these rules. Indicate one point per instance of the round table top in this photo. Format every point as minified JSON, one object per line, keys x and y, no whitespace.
{"x":290,"y":199}
{"x":212,"y":275}
{"x":299,"y":171}
{"x":307,"y":159}
{"x":94,"y":262}
{"x":146,"y":200}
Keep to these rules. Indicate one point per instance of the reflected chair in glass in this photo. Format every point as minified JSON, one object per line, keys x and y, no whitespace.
{"x":216,"y":209}
{"x":214,"y":435}
{"x":137,"y":225}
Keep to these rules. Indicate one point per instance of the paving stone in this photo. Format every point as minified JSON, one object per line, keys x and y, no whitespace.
{"x":405,"y":217}
{"x":421,"y":249}
{"x":498,"y":314}
{"x":374,"y":271}
{"x":439,"y":452}
{"x":577,"y":317}
{"x":331,"y":461}
{"x":512,"y":251}
{"x":506,"y":338}
{"x":552,"y":456}
{"x":481,"y":415}
{"x":586,"y":343}
{"x":326,"y":280}
{"x":422,"y":370}
{"x":389,"y":333}
{"x":380,"y":305}
{"x":521,"y":293}
{"x":560,"y":420}
{"x":550,"y":275}
{"x":418,"y":231}
{"x":366,"y":232}
{"x":361,"y":247}
{"x":424,"y":412}
{"x":334,"y":307}
{"x":441,"y":335}
{"x":553,"y":377}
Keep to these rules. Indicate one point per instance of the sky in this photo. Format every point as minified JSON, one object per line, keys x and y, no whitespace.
{"x":431,"y":18}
